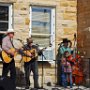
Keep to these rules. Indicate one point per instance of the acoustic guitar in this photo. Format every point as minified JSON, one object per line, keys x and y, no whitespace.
{"x":27,"y":58}
{"x":8,"y":58}
{"x":33,"y":52}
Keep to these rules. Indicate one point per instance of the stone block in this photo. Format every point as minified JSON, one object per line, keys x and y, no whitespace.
{"x":27,"y":21}
{"x":71,"y":10}
{"x":69,"y":16}
{"x":68,"y":30}
{"x":63,"y":3}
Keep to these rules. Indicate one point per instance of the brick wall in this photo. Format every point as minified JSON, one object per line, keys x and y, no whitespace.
{"x":84,"y":35}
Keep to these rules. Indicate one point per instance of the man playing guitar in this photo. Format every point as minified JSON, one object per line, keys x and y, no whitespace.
{"x":30,"y":62}
{"x":6,"y":46}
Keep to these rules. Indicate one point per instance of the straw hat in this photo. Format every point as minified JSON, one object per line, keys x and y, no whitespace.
{"x":65,"y":40}
{"x":10,"y":31}
{"x":29,"y":40}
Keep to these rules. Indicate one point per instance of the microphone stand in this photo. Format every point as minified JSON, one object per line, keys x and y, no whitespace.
{"x":43,"y":57}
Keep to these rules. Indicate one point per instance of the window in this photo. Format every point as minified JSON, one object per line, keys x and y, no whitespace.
{"x":5,"y":16}
{"x":42,"y":29}
{"x":5,"y":19}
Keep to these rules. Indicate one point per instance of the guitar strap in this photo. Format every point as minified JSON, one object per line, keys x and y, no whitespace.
{"x":12,"y":42}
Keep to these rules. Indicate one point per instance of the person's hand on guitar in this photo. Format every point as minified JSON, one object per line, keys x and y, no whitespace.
{"x":29,"y":55}
{"x":11,"y":52}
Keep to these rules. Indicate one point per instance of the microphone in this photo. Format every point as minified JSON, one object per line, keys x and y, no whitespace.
{"x":37,"y":44}
{"x":60,"y":44}
{"x":50,"y":45}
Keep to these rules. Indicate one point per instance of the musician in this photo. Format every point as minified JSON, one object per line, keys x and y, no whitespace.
{"x":6,"y":46}
{"x":65,"y":45}
{"x":32,"y":65}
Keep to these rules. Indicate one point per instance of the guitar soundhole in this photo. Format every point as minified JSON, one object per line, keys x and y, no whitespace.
{"x":10,"y":56}
{"x":33,"y":53}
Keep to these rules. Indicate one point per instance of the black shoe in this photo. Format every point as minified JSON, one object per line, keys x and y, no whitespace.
{"x":27,"y":87}
{"x":38,"y":87}
{"x":2,"y":78}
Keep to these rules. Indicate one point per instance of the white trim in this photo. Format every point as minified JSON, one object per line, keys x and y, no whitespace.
{"x":5,"y":4}
{"x":10,"y":17}
{"x":53,"y":30}
{"x":30,"y":24}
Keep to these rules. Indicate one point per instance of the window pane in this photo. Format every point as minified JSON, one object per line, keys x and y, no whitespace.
{"x":40,"y":27}
{"x":41,"y":24}
{"x":4,"y":13}
{"x":3,"y":26}
{"x":48,"y":55}
{"x":41,"y":20}
{"x":43,"y":42}
{"x":4,"y":18}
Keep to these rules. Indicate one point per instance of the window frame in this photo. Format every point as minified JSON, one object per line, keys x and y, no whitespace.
{"x":10,"y":18}
{"x":52,"y":35}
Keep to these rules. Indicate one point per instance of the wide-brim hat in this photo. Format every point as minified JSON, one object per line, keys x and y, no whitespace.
{"x":29,"y":40}
{"x":65,"y":40}
{"x":10,"y":31}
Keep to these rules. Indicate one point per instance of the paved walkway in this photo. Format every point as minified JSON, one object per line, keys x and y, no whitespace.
{"x":56,"y":88}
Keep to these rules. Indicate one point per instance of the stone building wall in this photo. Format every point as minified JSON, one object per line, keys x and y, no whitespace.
{"x":66,"y":17}
{"x":66,"y":21}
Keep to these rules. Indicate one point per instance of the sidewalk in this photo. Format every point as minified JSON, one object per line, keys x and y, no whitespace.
{"x":56,"y":88}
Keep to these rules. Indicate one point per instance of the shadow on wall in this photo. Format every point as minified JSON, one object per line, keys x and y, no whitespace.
{"x":20,"y":78}
{"x":58,"y":69}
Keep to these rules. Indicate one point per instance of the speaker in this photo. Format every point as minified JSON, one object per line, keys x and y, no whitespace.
{"x":6,"y":84}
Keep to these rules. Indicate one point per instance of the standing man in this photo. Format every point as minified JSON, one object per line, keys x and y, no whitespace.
{"x":31,"y":64}
{"x":7,"y":45}
{"x":65,"y":45}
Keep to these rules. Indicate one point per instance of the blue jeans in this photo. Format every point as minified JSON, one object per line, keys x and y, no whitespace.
{"x":64,"y":80}
{"x":64,"y":77}
{"x":28,"y":67}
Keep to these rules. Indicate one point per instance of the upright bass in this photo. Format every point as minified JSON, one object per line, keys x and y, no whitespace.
{"x":77,"y":70}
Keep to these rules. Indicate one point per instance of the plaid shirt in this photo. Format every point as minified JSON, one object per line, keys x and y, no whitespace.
{"x":6,"y":43}
{"x":66,"y":65}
